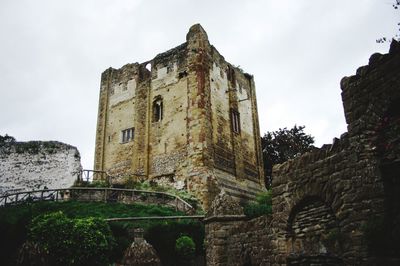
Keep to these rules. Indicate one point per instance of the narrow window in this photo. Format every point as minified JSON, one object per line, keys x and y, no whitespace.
{"x":170,"y":69}
{"x":157,"y":109}
{"x":128,"y":134}
{"x":235,"y":120}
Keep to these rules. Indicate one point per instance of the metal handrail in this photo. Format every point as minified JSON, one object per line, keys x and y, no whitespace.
{"x":55,"y":195}
{"x":124,"y":219}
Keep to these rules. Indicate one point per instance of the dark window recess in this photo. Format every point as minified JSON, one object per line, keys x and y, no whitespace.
{"x":183,"y":74}
{"x":157,"y":110}
{"x":128,"y":134}
{"x":235,"y":119}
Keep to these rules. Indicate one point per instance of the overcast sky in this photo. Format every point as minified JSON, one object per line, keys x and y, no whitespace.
{"x":52,"y":54}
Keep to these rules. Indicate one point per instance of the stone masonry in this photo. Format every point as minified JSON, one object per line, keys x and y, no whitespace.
{"x":37,"y":165}
{"x":323,"y":200}
{"x":186,"y":118}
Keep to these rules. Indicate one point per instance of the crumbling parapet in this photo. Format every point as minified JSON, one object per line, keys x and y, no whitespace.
{"x":346,"y":180}
{"x":37,"y":165}
{"x":323,"y":200}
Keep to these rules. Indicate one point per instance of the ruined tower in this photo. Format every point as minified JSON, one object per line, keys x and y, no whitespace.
{"x":186,"y":118}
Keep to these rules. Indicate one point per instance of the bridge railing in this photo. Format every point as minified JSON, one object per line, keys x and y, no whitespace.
{"x":152,"y":218}
{"x":86,"y":175}
{"x":98,"y":194}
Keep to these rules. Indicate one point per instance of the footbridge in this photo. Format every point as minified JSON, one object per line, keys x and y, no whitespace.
{"x":127,"y":196}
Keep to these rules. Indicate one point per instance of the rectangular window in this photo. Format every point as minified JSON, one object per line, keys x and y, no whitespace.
{"x":128,"y":134}
{"x":235,"y":119}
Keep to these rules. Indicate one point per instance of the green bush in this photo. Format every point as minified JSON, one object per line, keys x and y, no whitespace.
{"x":6,"y":139}
{"x":253,"y":210}
{"x":96,"y":183}
{"x":264,"y":198}
{"x":185,"y":247}
{"x":14,"y":221}
{"x":163,"y":238}
{"x":13,"y":228}
{"x":86,"y":241}
{"x":31,"y":147}
{"x":262,"y":205}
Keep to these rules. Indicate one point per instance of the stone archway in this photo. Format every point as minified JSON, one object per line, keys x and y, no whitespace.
{"x":313,"y":234}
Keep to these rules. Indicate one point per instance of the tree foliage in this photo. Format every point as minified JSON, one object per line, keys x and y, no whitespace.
{"x":282,"y":145}
{"x":185,"y":247}
{"x":84,"y":241}
{"x":396,"y":7}
{"x":262,"y":205}
{"x":6,"y":139}
{"x":163,"y":237}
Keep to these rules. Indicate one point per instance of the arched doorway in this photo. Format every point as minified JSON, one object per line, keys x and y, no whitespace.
{"x":313,"y":234}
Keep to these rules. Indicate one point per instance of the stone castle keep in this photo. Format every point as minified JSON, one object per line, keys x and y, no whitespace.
{"x":186,"y":118}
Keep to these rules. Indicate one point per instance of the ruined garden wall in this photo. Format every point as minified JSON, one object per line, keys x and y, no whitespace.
{"x":235,"y":242}
{"x":37,"y":165}
{"x":322,"y":200}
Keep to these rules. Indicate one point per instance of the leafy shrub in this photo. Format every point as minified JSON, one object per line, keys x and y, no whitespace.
{"x":14,"y":221}
{"x":163,"y":238}
{"x":6,"y":139}
{"x":264,"y":198}
{"x":123,"y":239}
{"x":185,"y":247}
{"x":86,"y":241}
{"x":253,"y":210}
{"x":96,"y":183}
{"x":262,"y":206}
{"x":50,"y":146}
{"x":31,"y":147}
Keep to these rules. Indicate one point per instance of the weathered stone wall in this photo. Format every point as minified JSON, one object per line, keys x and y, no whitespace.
{"x":231,"y":239}
{"x":36,"y":165}
{"x":236,"y":154}
{"x":240,"y":242}
{"x":120,"y":106}
{"x":336,"y":186}
{"x":345,"y":177}
{"x":322,"y":200}
{"x":193,"y":145}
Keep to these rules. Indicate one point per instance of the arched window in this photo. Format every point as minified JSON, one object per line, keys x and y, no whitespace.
{"x":157,"y":109}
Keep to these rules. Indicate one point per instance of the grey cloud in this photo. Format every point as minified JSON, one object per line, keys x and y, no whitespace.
{"x":53,"y":52}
